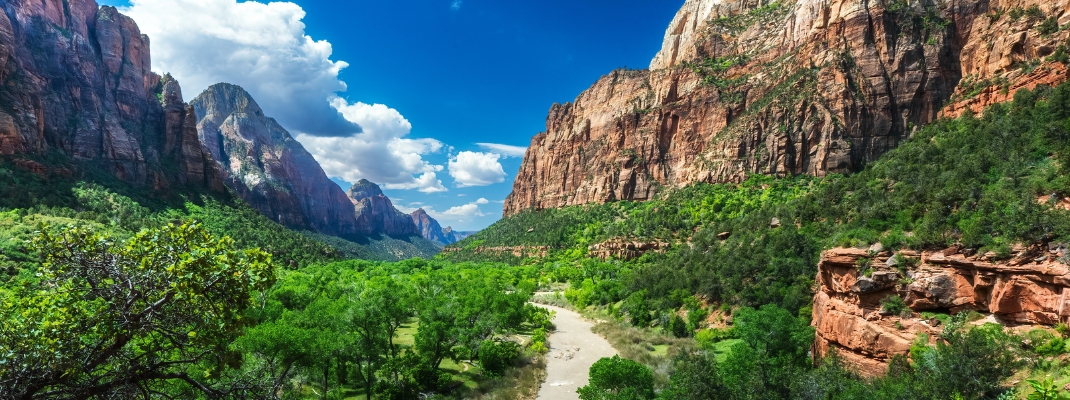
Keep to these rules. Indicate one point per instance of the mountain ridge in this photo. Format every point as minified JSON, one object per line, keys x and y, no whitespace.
{"x":780,"y":88}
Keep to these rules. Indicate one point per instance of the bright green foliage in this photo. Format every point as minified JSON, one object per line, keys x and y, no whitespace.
{"x":696,"y":378}
{"x":128,"y":316}
{"x":774,"y":346}
{"x":1046,"y":390}
{"x":618,"y":379}
{"x":893,"y":304}
{"x":339,"y":325}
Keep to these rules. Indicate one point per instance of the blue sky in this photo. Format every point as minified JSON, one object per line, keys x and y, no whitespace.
{"x":448,"y":74}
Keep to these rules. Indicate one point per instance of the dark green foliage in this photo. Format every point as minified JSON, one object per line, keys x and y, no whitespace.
{"x":618,"y":379}
{"x":495,"y":357}
{"x":893,"y":304}
{"x":1049,"y":26}
{"x":678,"y":327}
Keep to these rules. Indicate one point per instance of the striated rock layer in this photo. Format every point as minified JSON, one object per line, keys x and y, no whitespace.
{"x":1032,"y":288}
{"x":375,"y":212}
{"x":75,"y":81}
{"x":746,"y":87}
{"x":268,"y":168}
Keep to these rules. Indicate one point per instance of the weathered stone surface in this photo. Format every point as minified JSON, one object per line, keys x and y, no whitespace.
{"x":624,"y":249}
{"x":265,"y":165}
{"x":809,"y":87}
{"x":375,"y":212}
{"x":1028,"y":289}
{"x":431,"y":230}
{"x":75,"y":79}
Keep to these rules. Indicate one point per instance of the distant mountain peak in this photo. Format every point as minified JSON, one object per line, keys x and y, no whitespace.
{"x":364,"y":189}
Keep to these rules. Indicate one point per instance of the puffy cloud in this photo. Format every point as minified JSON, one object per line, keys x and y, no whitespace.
{"x":381,"y":154}
{"x":456,"y":5}
{"x":261,"y":47}
{"x":503,"y":149}
{"x":470,"y":168}
{"x":461,"y":213}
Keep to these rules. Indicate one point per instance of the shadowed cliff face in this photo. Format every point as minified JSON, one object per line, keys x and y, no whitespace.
{"x":376,"y":213}
{"x":268,"y":168}
{"x":431,"y":230}
{"x":796,"y":87}
{"x":75,"y":81}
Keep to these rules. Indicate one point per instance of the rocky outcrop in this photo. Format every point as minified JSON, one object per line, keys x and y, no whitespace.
{"x":375,"y":212}
{"x":268,"y":168}
{"x":1030,"y":288}
{"x":746,"y":87}
{"x":453,"y":236}
{"x":431,"y":230}
{"x":428,"y":227}
{"x":516,"y":251}
{"x":75,"y":81}
{"x":624,"y":249}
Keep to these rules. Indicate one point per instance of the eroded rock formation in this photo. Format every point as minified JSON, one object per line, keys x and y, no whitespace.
{"x":746,"y":87}
{"x":75,"y":81}
{"x":431,"y":230}
{"x":376,"y":213}
{"x":1031,"y":288}
{"x":624,"y":249}
{"x":268,"y":168}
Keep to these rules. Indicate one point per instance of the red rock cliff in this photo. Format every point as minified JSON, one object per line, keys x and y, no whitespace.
{"x":1032,"y":288}
{"x":754,"y":87}
{"x":75,"y":80}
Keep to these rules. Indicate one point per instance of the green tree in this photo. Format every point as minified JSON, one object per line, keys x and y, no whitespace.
{"x":618,"y":379}
{"x":696,"y":378}
{"x":127,"y":318}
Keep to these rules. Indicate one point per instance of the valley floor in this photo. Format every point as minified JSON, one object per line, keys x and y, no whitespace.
{"x":573,"y":349}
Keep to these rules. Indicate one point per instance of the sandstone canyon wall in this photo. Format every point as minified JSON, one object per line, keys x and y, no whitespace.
{"x":1031,"y":288}
{"x":746,"y":87}
{"x":75,"y":83}
{"x":268,"y":168}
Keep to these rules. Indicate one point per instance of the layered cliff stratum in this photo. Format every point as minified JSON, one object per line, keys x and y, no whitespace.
{"x":1030,"y":289}
{"x":782,"y":88}
{"x":77,"y":92}
{"x":268,"y":168}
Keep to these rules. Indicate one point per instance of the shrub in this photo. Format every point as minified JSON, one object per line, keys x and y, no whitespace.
{"x":618,"y":378}
{"x":894,"y":305}
{"x":495,"y":357}
{"x":1049,"y":26}
{"x":678,"y":327}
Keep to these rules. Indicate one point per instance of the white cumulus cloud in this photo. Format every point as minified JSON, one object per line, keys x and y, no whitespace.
{"x":382,"y":153}
{"x":261,"y":47}
{"x":504,"y":149}
{"x":469,"y":168}
{"x":461,"y":213}
{"x":456,"y":5}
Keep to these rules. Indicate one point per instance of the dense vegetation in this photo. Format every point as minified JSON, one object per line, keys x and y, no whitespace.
{"x":770,"y":360}
{"x":174,"y":312}
{"x":985,"y":182}
{"x":973,"y":180}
